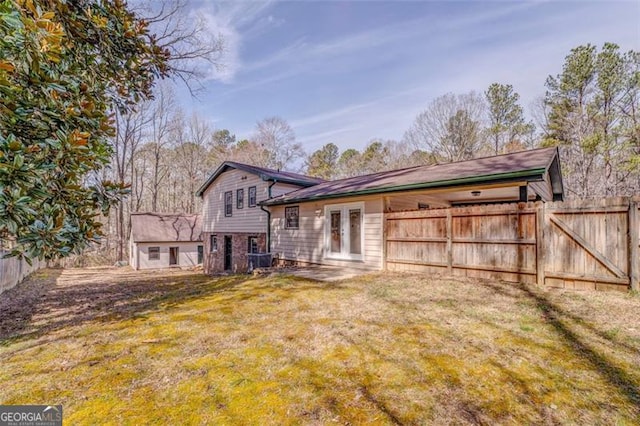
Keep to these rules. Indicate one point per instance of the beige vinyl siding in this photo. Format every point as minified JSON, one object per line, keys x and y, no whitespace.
{"x":282,"y":188}
{"x":187,"y":255}
{"x":307,"y":243}
{"x":405,"y":202}
{"x":247,"y":219}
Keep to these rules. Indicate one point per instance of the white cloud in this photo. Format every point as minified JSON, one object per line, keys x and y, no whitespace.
{"x":234,"y":22}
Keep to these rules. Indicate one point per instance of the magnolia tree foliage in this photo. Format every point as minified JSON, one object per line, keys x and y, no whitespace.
{"x":64,"y":66}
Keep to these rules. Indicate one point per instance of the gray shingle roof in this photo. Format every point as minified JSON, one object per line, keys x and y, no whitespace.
{"x":525,"y":165}
{"x":165,"y":227}
{"x":264,"y":173}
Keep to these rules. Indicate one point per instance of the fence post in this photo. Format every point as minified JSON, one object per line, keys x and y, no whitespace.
{"x":540,"y":244}
{"x":385,"y":204}
{"x":634,"y":242}
{"x":449,"y":242}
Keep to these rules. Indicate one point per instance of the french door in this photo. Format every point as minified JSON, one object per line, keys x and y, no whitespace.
{"x":344,"y":233}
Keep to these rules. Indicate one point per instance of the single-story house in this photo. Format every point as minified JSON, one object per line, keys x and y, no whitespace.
{"x":163,"y":240}
{"x":341,"y":222}
{"x":235,"y":226}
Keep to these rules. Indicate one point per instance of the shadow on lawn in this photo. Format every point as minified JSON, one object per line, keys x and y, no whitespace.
{"x":55,"y":299}
{"x":561,"y":320}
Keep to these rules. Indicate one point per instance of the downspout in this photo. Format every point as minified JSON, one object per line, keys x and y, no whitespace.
{"x":268,"y":217}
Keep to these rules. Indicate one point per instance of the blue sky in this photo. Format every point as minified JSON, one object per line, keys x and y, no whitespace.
{"x":349,"y":72}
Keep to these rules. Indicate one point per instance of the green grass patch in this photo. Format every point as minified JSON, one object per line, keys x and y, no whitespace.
{"x":135,"y":348}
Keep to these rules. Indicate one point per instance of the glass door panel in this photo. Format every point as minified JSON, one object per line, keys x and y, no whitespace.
{"x":355,"y":223}
{"x":336,"y":231}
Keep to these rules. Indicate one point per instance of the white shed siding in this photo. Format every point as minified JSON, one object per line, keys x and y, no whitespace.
{"x":307,"y":243}
{"x":247,"y":219}
{"x":187,"y":255}
{"x":133,"y":254}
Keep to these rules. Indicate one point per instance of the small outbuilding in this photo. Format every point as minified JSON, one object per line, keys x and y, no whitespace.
{"x":164,"y":240}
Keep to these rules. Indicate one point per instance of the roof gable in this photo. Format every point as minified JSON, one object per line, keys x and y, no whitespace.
{"x":525,"y":165}
{"x":264,"y":173}
{"x":165,"y":227}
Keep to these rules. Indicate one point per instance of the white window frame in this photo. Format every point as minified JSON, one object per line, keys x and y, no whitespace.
{"x":345,"y":238}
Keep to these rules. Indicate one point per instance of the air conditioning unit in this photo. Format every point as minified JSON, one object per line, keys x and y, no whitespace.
{"x":259,"y":260}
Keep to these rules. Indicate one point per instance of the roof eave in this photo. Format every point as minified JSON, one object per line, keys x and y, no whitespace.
{"x":532,"y":174}
{"x":263,"y":176}
{"x":165,"y":242}
{"x":213,"y":177}
{"x":292,"y":181}
{"x":555,"y":174}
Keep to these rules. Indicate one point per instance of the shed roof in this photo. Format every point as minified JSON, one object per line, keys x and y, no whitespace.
{"x":538,"y":165}
{"x":165,"y":227}
{"x":264,"y":173}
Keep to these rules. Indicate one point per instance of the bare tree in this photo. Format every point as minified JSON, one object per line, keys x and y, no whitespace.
{"x":163,"y":121}
{"x":191,"y":158}
{"x":244,"y":151}
{"x":401,"y":154}
{"x":195,"y":48}
{"x":128,"y":137}
{"x":278,"y":141}
{"x":450,"y":127}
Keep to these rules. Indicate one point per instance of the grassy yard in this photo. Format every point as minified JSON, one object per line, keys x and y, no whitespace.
{"x":114,"y":346}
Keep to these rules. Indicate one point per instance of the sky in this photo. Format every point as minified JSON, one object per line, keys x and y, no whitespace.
{"x":348,"y":72}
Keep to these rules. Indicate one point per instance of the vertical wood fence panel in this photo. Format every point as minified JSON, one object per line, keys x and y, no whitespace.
{"x":634,"y":243}
{"x":585,"y":244}
{"x":13,"y":271}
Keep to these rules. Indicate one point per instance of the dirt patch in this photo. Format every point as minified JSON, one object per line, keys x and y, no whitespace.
{"x":52,"y":299}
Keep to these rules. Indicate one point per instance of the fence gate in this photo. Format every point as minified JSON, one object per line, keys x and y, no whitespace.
{"x":586,"y":244}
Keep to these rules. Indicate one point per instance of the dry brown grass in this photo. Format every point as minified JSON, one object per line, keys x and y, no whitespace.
{"x":115,"y":346}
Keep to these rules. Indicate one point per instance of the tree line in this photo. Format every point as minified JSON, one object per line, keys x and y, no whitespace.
{"x":590,"y":111}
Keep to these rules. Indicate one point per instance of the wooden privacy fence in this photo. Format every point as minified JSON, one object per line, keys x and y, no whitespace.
{"x":14,"y":270}
{"x":583,"y":244}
